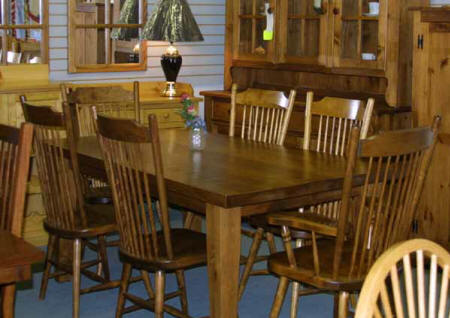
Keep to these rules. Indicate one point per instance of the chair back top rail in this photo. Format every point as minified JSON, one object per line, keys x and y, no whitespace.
{"x":125,"y":145}
{"x":15,"y":150}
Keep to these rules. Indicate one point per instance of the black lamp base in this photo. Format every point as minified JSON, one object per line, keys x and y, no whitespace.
{"x":171,"y":63}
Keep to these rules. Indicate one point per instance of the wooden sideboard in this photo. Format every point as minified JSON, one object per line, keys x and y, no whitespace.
{"x":431,"y":96}
{"x":40,"y":91}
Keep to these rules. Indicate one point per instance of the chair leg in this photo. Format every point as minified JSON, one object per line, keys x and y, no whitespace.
{"x":182,"y":286}
{"x":271,"y":242}
{"x":103,"y":256}
{"x":160,"y":282}
{"x":76,"y":277}
{"x":147,"y":284}
{"x":250,"y":261}
{"x":8,"y":293}
{"x":343,"y":305}
{"x":51,"y":245}
{"x":279,"y":297}
{"x":124,"y":282}
{"x":295,"y":288}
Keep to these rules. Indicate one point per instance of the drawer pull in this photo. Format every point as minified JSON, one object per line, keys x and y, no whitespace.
{"x":166,"y":116}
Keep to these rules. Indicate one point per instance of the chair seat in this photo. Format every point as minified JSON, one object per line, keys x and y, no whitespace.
{"x":260,"y":221}
{"x":189,"y":250}
{"x":99,"y":195}
{"x":100,"y":221}
{"x":278,"y":264}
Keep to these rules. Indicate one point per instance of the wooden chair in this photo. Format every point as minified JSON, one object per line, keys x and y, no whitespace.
{"x":423,"y":291}
{"x":332,"y":119}
{"x":68,"y":216}
{"x":397,"y":163}
{"x":109,"y":100}
{"x":132,"y":155}
{"x":15,"y":149}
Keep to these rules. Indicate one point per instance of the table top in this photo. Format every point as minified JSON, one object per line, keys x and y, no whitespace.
{"x":231,"y":172}
{"x":15,"y":251}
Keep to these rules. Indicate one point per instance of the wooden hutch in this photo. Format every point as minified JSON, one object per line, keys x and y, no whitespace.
{"x":320,"y":49}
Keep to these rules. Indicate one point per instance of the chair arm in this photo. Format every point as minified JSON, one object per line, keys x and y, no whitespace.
{"x":304,"y":222}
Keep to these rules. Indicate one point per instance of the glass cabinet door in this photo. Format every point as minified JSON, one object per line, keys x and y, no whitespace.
{"x":305,"y":38}
{"x":248,"y":35}
{"x":359,"y":33}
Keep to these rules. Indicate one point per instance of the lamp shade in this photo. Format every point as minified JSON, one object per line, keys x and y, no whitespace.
{"x":172,"y":21}
{"x":129,"y":14}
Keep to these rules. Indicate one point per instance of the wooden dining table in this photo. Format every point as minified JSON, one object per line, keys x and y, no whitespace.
{"x":228,"y":180}
{"x":16,"y":258}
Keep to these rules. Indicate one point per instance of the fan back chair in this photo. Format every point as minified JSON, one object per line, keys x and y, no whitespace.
{"x":133,"y":163}
{"x":333,"y":119}
{"x":68,"y":216}
{"x":383,"y":215}
{"x":395,"y":288}
{"x":15,"y":149}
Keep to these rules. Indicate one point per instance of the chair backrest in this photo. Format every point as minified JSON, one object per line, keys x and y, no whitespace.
{"x":423,"y":291}
{"x":334,"y":118}
{"x":133,"y":163}
{"x":58,"y":172}
{"x":263,"y":114}
{"x":397,"y":163}
{"x":15,"y":149}
{"x":109,"y":100}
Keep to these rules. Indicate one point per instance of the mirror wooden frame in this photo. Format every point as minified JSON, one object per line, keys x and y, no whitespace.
{"x":74,"y":27}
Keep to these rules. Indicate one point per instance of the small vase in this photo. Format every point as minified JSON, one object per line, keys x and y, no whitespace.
{"x":197,"y":137}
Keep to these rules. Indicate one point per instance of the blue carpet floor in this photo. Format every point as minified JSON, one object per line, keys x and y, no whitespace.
{"x":256,"y":301}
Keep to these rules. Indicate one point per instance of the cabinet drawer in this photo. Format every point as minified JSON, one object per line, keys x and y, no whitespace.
{"x":164,"y":116}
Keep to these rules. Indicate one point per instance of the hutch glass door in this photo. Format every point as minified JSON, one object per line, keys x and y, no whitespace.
{"x":251,"y":19}
{"x":305,"y":39}
{"x":359,"y":33}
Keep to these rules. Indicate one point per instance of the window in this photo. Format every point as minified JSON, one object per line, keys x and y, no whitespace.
{"x":24,"y":31}
{"x":104,"y":36}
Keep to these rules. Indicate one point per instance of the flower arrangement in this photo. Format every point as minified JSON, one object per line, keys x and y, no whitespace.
{"x":188,"y":112}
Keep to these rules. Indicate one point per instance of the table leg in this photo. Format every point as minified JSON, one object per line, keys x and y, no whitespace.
{"x":223,"y":228}
{"x":8,"y":295}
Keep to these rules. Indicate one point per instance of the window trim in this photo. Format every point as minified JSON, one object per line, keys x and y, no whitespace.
{"x":43,"y":26}
{"x":112,"y":67}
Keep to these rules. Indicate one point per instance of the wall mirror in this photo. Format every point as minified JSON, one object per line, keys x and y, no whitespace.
{"x":104,"y":35}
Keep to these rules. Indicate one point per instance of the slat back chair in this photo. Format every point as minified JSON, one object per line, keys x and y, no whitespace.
{"x":126,"y":148}
{"x":264,"y":114}
{"x":64,"y":209}
{"x":397,"y":163}
{"x":109,"y":100}
{"x":67,"y":215}
{"x":423,"y":291}
{"x":334,"y":118}
{"x":133,"y":162}
{"x":15,"y":149}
